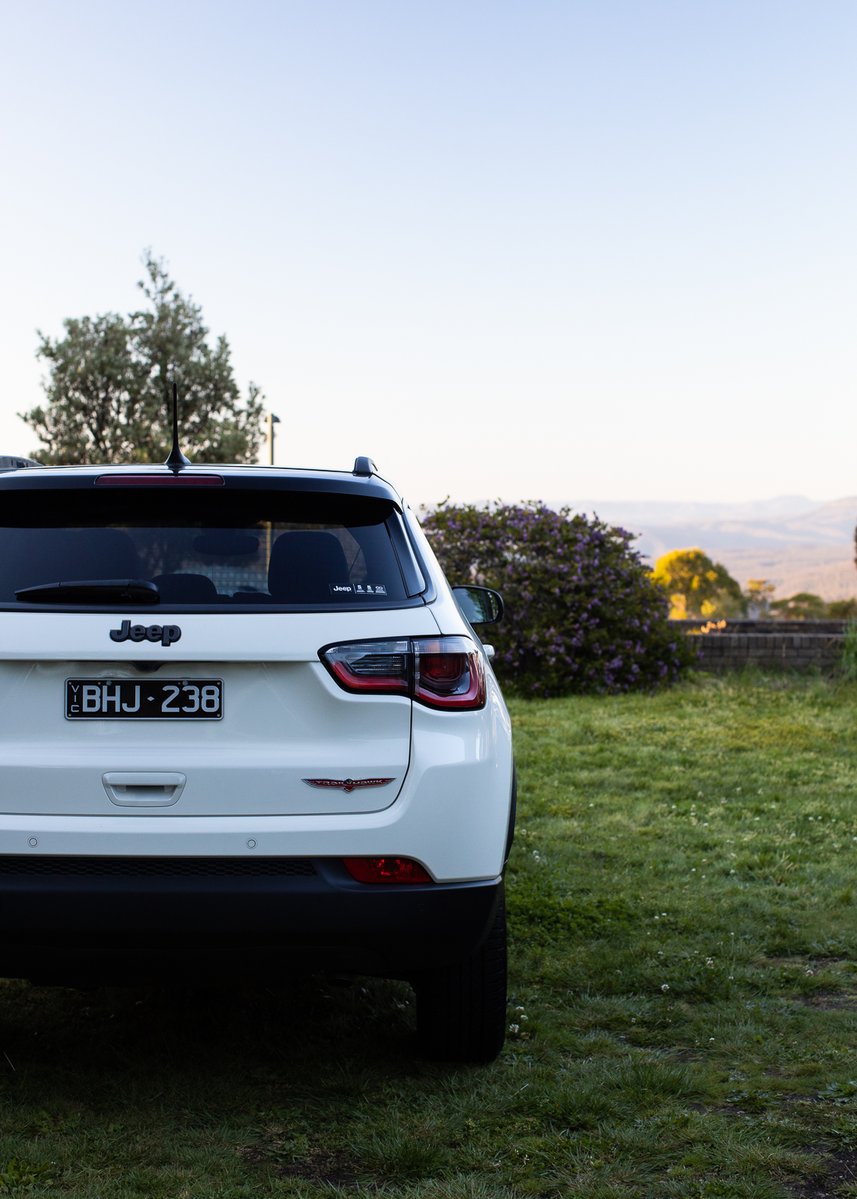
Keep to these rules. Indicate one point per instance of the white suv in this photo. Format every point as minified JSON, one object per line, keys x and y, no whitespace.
{"x":246,"y":726}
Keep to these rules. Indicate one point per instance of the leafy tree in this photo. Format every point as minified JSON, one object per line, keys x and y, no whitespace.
{"x":110,"y":382}
{"x":698,"y":587}
{"x":758,"y":596}
{"x":582,"y":612}
{"x":845,"y":609}
{"x":803,"y":606}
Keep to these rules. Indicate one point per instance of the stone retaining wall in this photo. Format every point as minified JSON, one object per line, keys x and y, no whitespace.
{"x":768,"y":644}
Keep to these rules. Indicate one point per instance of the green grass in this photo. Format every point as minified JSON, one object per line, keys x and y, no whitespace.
{"x":683,"y":1004}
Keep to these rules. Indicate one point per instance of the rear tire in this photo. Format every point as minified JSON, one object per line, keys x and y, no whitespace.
{"x":461,"y":1009}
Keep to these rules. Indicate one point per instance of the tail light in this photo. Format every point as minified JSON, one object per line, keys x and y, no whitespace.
{"x":440,"y":672}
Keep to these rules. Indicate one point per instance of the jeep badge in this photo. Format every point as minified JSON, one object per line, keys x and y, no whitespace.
{"x":166,"y":633}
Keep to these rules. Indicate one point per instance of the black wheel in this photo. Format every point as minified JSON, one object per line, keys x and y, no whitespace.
{"x":461,"y":1009}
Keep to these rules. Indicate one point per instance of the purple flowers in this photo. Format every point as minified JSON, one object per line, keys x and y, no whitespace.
{"x":582,"y":612}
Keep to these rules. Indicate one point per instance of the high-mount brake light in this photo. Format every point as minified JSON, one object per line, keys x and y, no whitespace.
{"x":440,"y":672}
{"x":175,"y":480}
{"x":386,"y":870}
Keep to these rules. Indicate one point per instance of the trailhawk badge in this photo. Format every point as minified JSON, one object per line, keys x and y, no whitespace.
{"x":347,"y":784}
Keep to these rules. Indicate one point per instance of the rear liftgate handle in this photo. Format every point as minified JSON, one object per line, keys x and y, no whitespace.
{"x":143,"y":789}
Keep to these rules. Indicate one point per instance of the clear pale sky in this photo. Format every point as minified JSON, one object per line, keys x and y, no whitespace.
{"x":513,"y":249}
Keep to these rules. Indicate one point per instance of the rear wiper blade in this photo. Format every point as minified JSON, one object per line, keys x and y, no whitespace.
{"x":92,"y":591}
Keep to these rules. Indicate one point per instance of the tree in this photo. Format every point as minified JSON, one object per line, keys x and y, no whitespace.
{"x":803,"y":606}
{"x":582,"y":612}
{"x":758,"y":595}
{"x":110,"y":382}
{"x":845,"y":609}
{"x":698,"y":587}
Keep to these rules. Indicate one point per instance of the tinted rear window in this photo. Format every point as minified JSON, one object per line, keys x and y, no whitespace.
{"x":227,"y":548}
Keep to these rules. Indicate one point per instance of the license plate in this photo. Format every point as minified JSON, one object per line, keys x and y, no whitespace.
{"x":128,"y":699}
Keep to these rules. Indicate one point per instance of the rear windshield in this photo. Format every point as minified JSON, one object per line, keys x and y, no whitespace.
{"x":227,"y":548}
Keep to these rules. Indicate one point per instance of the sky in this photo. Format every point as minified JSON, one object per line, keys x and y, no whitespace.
{"x":519,"y":249}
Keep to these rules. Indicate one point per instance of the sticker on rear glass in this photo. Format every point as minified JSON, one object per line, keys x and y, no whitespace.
{"x":361,"y":590}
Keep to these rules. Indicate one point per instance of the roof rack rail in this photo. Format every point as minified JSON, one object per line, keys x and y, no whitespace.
{"x":11,"y":462}
{"x":364,"y":467}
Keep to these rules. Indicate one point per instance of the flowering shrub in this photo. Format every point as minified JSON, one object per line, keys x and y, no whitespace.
{"x":582,"y":611}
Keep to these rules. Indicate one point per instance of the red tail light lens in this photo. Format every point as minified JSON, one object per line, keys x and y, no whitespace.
{"x":378,"y":667}
{"x":386,"y":870}
{"x":440,"y":672}
{"x":449,"y":676}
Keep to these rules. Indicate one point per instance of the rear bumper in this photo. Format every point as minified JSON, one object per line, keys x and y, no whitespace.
{"x":76,"y":919}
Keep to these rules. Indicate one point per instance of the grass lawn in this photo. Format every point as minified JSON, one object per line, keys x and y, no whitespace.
{"x":683,"y":1006}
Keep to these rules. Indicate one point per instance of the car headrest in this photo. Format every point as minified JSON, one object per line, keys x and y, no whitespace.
{"x":185,"y":588}
{"x":100,"y":554}
{"x":304,"y":566}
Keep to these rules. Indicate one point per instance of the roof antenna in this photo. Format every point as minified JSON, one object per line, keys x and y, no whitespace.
{"x":176,"y":460}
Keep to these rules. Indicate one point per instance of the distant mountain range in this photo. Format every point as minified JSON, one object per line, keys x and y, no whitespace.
{"x":794,"y":542}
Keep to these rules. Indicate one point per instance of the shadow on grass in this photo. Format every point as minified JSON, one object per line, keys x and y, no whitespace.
{"x":118,"y":1046}
{"x":150,"y":1093}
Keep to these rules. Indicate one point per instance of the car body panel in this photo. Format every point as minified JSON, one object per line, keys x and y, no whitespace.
{"x":451,"y":814}
{"x":261,"y":636}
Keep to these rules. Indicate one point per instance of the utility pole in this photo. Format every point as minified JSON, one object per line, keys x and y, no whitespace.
{"x":272,"y":420}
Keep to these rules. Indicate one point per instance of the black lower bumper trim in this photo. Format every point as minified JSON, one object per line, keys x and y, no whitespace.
{"x":104,"y":919}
